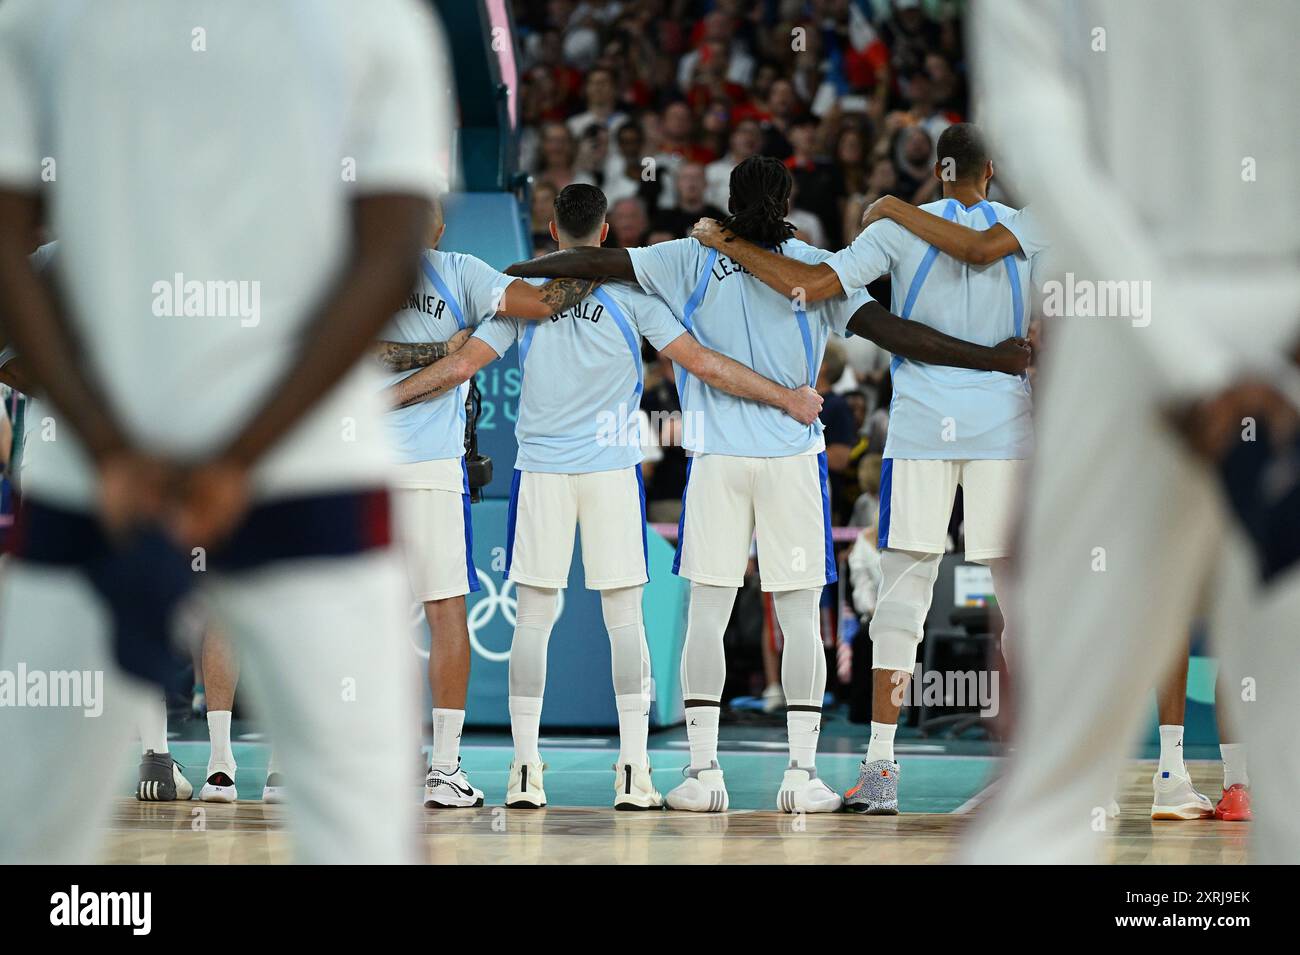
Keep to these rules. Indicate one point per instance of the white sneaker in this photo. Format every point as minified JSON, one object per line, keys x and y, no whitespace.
{"x":219,"y":787}
{"x":1176,"y":798}
{"x":634,"y":789}
{"x":803,"y":791}
{"x":702,"y":791}
{"x":273,"y":791}
{"x":444,"y":790}
{"x":524,"y":791}
{"x":773,"y":698}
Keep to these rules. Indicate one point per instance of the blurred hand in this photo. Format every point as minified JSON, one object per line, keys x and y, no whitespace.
{"x":709,"y":232}
{"x":804,"y":405}
{"x":132,"y":489}
{"x":211,"y":501}
{"x":1012,"y":356}
{"x":1211,"y":426}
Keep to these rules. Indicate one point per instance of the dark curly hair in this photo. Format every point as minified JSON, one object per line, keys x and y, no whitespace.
{"x":760,"y":195}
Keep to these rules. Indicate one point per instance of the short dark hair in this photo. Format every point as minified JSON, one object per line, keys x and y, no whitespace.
{"x":579,"y":210}
{"x":961,"y":148}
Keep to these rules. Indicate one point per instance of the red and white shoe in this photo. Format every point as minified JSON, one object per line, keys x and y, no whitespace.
{"x":1234,"y":805}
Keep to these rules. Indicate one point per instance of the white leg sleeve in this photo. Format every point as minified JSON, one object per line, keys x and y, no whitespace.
{"x":629,"y":653}
{"x":906,"y":586}
{"x":704,"y":666}
{"x":534,"y":617}
{"x":803,"y":663}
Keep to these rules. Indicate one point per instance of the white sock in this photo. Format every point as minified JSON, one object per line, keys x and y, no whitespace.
{"x":525,"y":727}
{"x":882,"y":741}
{"x":803,"y":727}
{"x":447,"y":725}
{"x":222,"y":758}
{"x":1234,"y":764}
{"x":633,"y":728}
{"x":702,"y":732}
{"x":272,"y":767}
{"x":1171,"y":750}
{"x":153,"y":727}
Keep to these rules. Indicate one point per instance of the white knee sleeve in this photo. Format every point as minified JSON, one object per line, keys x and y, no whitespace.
{"x":704,"y":666}
{"x":534,"y":617}
{"x":628,"y":651}
{"x":803,"y":661}
{"x":906,"y":586}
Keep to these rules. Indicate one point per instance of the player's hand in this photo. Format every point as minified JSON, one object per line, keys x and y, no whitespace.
{"x":709,"y":232}
{"x":1011,"y":356}
{"x":460,"y":338}
{"x":878,"y":210}
{"x":211,"y":501}
{"x":804,"y":405}
{"x":132,"y":489}
{"x":1212,"y":425}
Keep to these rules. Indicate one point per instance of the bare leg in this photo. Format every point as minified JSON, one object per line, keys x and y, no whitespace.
{"x":220,"y":669}
{"x":448,"y":677}
{"x":448,"y":652}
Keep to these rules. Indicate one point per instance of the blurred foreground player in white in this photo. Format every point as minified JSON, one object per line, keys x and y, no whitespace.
{"x":215,"y":291}
{"x":578,"y":468}
{"x":454,"y":293}
{"x":1097,"y":140}
{"x":752,"y":468}
{"x":948,"y":426}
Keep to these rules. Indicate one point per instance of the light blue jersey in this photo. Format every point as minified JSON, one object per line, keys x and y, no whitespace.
{"x":951,"y":414}
{"x":582,"y":379}
{"x":454,"y":291}
{"x":729,"y":310}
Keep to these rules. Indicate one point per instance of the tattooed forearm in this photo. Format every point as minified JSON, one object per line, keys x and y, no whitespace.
{"x":405,"y":401}
{"x":405,"y":356}
{"x":562,"y":294}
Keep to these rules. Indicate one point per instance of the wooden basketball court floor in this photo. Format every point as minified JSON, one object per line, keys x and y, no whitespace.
{"x":939,"y":792}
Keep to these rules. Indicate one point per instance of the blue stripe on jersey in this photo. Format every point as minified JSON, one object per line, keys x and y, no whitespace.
{"x":1013,"y":273}
{"x":470,"y":570}
{"x":806,"y":333}
{"x":832,"y":575}
{"x":692,"y":304}
{"x":681,"y":520}
{"x":526,"y":343}
{"x":432,"y":275}
{"x":645,"y":544}
{"x":886,"y":497}
{"x":633,"y":340}
{"x":512,"y":514}
{"x":918,"y":280}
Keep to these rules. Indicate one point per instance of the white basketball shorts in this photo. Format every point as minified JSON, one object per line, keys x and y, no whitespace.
{"x":728,"y":499}
{"x":545,"y":509}
{"x":916,"y":503}
{"x":432,"y":522}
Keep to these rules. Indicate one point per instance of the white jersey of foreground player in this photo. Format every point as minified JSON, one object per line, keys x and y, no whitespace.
{"x":1136,"y":158}
{"x":190,"y":163}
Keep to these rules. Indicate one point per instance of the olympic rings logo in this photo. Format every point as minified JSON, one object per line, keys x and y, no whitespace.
{"x":482,"y":611}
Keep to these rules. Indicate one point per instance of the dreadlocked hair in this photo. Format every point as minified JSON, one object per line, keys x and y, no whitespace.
{"x":760,"y":195}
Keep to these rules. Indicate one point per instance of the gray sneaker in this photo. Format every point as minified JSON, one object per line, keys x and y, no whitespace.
{"x":876,"y":793}
{"x":161,"y":779}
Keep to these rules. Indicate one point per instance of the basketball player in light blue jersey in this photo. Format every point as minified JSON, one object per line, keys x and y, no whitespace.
{"x":753,"y":469}
{"x":947,"y":426}
{"x":579,"y":467}
{"x":454,"y":293}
